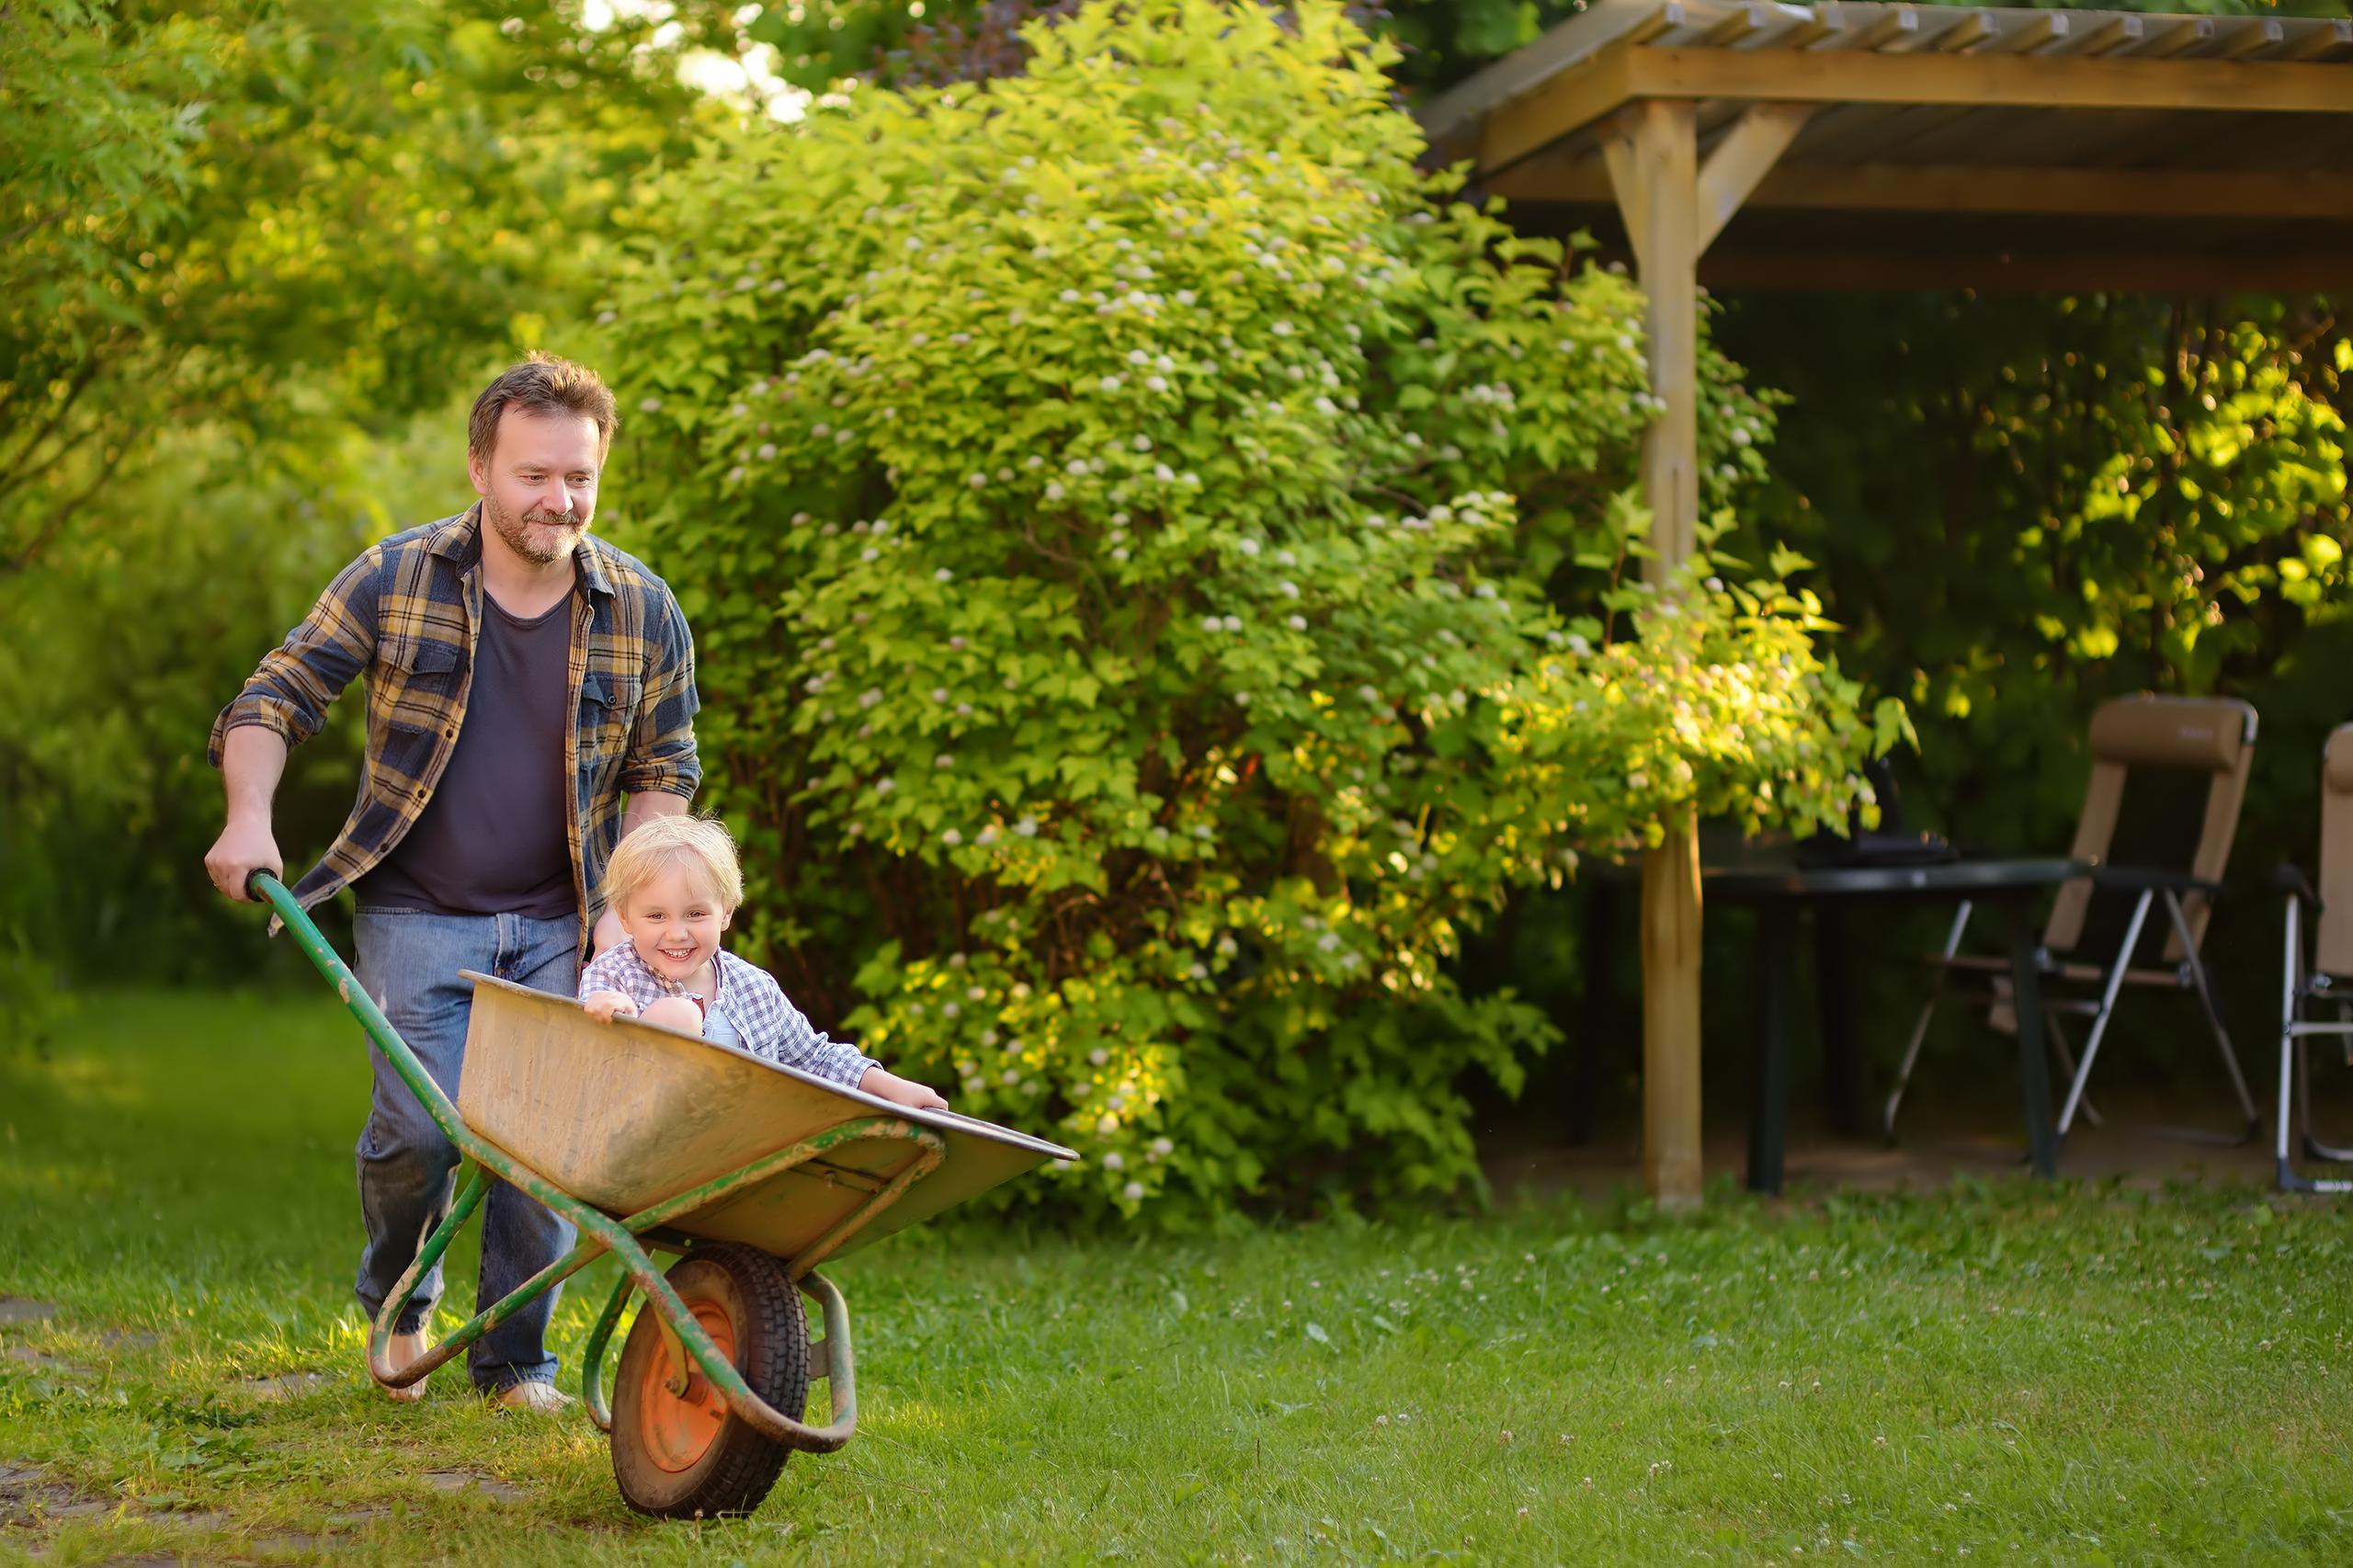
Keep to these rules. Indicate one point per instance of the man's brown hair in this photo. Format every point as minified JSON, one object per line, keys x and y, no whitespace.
{"x":544,"y":385}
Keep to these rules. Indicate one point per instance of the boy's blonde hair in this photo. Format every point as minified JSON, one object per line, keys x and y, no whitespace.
{"x":698,"y":843}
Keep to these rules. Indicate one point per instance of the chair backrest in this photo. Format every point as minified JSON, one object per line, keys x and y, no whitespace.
{"x":2332,"y":931}
{"x":2168,"y":776}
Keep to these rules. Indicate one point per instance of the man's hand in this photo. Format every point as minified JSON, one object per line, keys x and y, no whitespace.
{"x":244,"y":847}
{"x":901,"y":1091}
{"x":606,"y":1006}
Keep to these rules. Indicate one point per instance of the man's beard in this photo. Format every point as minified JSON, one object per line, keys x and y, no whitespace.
{"x":516,"y":531}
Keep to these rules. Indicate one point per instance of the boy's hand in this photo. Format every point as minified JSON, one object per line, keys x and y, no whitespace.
{"x":605,"y":1005}
{"x":901,"y":1091}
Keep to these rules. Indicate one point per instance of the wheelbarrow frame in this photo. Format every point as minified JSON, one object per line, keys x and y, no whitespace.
{"x":630,"y":1239}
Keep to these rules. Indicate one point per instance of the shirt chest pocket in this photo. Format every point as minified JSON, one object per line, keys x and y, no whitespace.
{"x":414,"y":688}
{"x":608,"y":700}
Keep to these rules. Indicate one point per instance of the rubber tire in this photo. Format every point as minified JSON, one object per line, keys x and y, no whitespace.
{"x":772,"y":1353}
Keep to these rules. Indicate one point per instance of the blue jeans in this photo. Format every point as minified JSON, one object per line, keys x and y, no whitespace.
{"x":409,"y":961}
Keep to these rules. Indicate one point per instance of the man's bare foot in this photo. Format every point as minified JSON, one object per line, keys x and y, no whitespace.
{"x":539,"y":1399}
{"x":403,"y":1349}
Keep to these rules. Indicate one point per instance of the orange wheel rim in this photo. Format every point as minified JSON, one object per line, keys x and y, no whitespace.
{"x":678,"y":1430}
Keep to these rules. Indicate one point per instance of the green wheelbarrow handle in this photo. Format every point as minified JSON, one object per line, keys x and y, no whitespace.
{"x":262,"y":886}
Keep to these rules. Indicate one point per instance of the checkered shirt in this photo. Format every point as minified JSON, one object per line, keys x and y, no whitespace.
{"x":765,"y":1018}
{"x":407,"y":615}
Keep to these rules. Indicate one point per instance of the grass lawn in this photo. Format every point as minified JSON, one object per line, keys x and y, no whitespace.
{"x":2078,"y":1374}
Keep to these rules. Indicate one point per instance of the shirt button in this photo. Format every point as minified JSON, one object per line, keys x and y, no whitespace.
{"x":450,"y":733}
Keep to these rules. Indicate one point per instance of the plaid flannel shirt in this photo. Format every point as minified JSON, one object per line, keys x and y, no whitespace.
{"x":406,"y":615}
{"x":765,"y":1018}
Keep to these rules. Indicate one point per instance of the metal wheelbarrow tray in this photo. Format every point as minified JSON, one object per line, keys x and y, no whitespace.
{"x":647,"y":1140}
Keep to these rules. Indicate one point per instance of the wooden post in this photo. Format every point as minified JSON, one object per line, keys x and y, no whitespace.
{"x":1673,"y":207}
{"x":1653,"y":161}
{"x":1671,"y":1019}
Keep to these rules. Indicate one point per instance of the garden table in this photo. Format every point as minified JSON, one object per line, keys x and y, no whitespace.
{"x":1771,"y":879}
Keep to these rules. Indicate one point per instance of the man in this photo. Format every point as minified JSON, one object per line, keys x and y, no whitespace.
{"x":522,"y":678}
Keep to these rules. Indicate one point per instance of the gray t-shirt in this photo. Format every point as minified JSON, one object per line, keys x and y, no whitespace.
{"x":492,"y":839}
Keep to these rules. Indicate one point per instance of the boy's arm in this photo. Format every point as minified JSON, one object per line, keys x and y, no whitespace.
{"x":886,"y":1084}
{"x":282,"y":706}
{"x":605,"y":971}
{"x":777,"y":1029}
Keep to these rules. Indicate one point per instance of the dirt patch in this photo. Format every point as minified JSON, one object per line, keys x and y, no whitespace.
{"x":27,"y":1497}
{"x":475,"y":1480}
{"x":24,"y":1308}
{"x":288,"y":1385}
{"x":297,"y":1543}
{"x":26,"y":1355}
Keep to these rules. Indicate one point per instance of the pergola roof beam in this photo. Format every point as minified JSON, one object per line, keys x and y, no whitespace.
{"x":1736,"y":163}
{"x":2039,"y":271}
{"x":2026,"y":81}
{"x":1961,"y":187}
{"x":2179,"y":38}
{"x":2321,"y":43}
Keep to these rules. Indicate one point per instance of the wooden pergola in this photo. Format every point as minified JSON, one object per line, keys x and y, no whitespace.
{"x":1743,"y":146}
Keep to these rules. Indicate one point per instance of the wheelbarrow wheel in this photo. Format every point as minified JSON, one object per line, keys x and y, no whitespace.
{"x":687,"y":1456}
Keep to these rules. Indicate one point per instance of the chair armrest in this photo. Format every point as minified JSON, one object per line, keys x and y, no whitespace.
{"x":2289,"y":877}
{"x":2142,"y":879}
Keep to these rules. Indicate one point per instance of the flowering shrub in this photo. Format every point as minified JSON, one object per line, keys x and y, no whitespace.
{"x":1116,"y":505}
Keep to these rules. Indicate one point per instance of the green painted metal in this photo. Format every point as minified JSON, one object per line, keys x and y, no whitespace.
{"x":472,"y":1188}
{"x":591,"y":1358}
{"x":600,"y":1233}
{"x":931,"y":1151}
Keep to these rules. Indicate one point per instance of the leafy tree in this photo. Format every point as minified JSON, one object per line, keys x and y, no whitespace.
{"x":821,"y":43}
{"x":285,"y":217}
{"x":1115,"y":503}
{"x":2120,"y":493}
{"x":249,"y":241}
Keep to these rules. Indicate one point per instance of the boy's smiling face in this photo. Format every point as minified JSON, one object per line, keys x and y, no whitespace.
{"x":674,"y":923}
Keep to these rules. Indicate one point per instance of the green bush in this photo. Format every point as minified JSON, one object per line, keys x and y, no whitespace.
{"x":1114,"y":505}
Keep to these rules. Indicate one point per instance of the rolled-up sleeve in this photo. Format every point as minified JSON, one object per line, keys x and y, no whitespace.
{"x":662,"y":744}
{"x":290,"y":690}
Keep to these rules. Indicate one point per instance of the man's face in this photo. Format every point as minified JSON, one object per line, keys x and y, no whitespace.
{"x":539,"y":489}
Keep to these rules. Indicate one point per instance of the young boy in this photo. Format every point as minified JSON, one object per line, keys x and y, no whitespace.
{"x":676,"y":885}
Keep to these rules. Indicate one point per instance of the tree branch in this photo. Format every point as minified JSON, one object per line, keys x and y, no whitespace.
{"x":56,"y":518}
{"x":14,"y":473}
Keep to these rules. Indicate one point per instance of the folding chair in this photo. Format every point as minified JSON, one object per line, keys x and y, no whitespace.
{"x":2168,"y":775}
{"x":2322,"y":978}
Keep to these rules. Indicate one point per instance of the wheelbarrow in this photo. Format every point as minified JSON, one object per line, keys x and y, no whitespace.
{"x":651,"y":1141}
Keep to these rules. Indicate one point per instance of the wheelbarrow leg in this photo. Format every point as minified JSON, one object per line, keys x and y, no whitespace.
{"x":592,"y":1359}
{"x":472,"y":1188}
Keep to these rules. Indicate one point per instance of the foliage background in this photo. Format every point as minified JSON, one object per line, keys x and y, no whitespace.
{"x":250,"y":244}
{"x":2215,"y":567}
{"x":262,"y":253}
